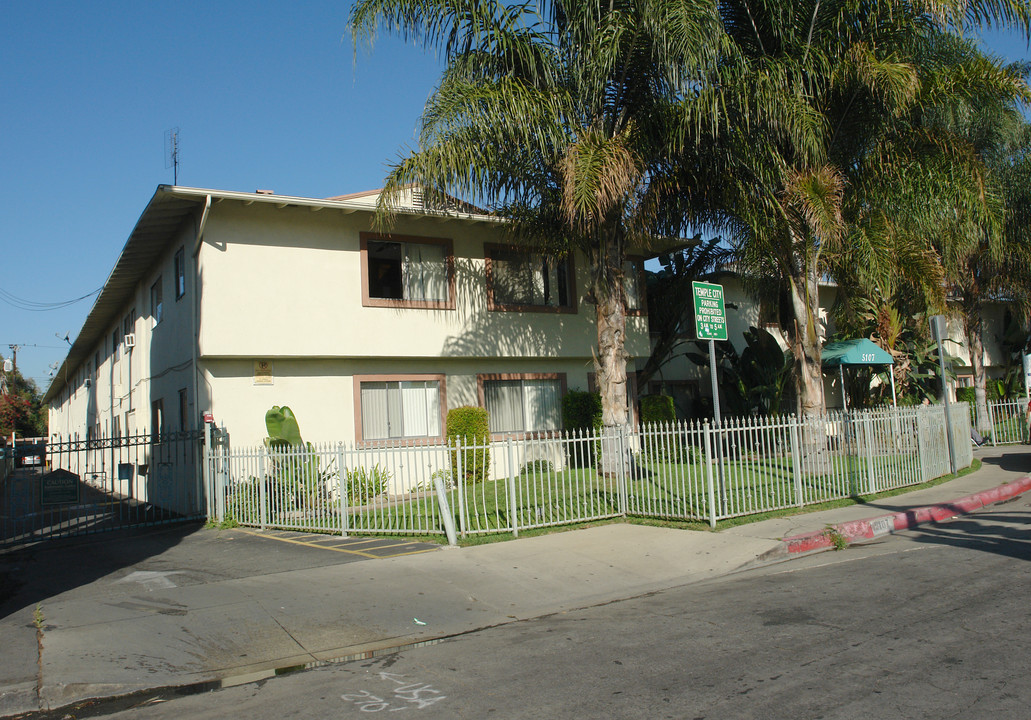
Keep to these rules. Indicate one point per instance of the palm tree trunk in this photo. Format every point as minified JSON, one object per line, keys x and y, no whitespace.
{"x":974,"y":327}
{"x":610,"y":362}
{"x":805,"y":303}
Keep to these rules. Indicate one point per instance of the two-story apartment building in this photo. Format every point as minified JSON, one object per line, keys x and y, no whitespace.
{"x":229,"y":303}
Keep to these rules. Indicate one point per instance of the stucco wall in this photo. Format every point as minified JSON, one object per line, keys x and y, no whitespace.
{"x":320,"y":391}
{"x":281,"y":282}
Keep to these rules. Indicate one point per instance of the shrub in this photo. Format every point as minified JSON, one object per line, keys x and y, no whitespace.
{"x":540,"y":466}
{"x":364,"y":484}
{"x":470,"y":425}
{"x":581,"y":410}
{"x":657,"y":409}
{"x":966,"y":394}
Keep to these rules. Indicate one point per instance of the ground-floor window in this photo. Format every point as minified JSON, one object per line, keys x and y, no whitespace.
{"x":184,"y":410}
{"x":400,"y":408}
{"x":523,"y":403}
{"x":157,"y":418}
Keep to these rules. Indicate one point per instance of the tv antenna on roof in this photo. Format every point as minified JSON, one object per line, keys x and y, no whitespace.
{"x":172,"y":153}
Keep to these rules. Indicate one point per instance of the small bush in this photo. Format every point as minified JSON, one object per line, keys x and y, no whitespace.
{"x":966,"y":394}
{"x":470,"y":425}
{"x":365,"y":484}
{"x":657,"y":409}
{"x":539,"y":466}
{"x":430,"y":485}
{"x":581,"y":410}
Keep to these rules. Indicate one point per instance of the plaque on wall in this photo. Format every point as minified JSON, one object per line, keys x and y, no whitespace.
{"x":263,"y":372}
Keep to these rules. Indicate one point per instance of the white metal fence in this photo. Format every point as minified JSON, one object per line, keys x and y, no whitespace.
{"x":1008,"y":420}
{"x":682,"y":471}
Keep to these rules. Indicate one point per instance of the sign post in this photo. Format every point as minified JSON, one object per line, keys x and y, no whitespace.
{"x":710,"y":323}
{"x":940,"y":332}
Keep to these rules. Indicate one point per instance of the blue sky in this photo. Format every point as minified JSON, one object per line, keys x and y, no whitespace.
{"x":264,"y":95}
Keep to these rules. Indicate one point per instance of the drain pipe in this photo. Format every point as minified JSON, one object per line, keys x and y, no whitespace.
{"x":196,"y":302}
{"x":195,"y":256}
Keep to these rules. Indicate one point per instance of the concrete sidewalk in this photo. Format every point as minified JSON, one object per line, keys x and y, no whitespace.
{"x":129,"y":612}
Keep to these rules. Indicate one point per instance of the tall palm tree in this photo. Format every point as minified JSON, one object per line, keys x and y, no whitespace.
{"x":562,"y":116}
{"x":835,"y":174}
{"x":993,"y":265}
{"x":603,"y":125}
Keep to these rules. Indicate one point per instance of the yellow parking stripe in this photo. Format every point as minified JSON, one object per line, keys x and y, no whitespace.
{"x":336,"y":549}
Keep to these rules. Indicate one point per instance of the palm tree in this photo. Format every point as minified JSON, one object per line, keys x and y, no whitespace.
{"x":601,"y":126}
{"x":670,"y":300}
{"x":993,"y":267}
{"x":563,"y":118}
{"x":837,"y":175}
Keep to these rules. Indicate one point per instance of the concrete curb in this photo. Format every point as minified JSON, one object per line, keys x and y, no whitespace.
{"x":859,"y":530}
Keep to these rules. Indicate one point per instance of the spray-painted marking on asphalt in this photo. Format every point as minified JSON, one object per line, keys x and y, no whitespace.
{"x":312,"y":544}
{"x":402,"y":696}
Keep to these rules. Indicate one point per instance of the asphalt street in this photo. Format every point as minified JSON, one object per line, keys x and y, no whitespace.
{"x":930,"y":623}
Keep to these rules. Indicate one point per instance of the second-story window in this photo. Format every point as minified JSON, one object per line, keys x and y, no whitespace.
{"x":180,"y":273}
{"x":156,"y":304}
{"x":528,"y":281}
{"x":633,"y":286}
{"x":407,"y":272}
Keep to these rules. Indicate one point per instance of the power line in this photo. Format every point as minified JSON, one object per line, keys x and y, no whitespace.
{"x":27,"y":345}
{"x":33,"y":306}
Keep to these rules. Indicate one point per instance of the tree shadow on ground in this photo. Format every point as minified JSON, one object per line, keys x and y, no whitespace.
{"x":1019,"y":462}
{"x":1006,"y":534}
{"x":46,"y":569}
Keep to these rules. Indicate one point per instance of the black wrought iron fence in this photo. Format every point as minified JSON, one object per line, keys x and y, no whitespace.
{"x":92,"y":485}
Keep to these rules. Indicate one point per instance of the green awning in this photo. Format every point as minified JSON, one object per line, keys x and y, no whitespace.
{"x":855,"y":352}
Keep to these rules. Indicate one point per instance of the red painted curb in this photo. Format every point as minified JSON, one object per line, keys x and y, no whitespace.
{"x":867,"y":529}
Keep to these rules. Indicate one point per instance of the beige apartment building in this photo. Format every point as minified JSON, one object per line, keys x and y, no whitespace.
{"x":224,"y":304}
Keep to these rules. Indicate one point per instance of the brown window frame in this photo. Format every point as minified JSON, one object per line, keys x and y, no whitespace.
{"x":570,"y":262}
{"x":449,"y":260}
{"x":481,"y":394}
{"x":441,"y":379}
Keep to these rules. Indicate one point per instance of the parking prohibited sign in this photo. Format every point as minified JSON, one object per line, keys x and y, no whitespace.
{"x":710,"y":315}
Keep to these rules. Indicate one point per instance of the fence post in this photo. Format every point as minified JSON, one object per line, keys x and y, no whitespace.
{"x":991,"y":420}
{"x":345,"y":501}
{"x":623,"y":451}
{"x":262,"y":500}
{"x":445,"y":511}
{"x":868,"y":438}
{"x":455,"y":444}
{"x":796,"y":461}
{"x":708,"y":474}
{"x":512,"y":510}
{"x":214,"y":507}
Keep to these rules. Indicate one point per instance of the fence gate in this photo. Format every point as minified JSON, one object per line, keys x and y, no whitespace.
{"x":78,"y":486}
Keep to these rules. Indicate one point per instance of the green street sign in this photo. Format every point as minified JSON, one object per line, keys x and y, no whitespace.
{"x":710,"y":315}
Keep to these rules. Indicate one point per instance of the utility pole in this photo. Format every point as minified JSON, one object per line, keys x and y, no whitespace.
{"x":14,"y":355}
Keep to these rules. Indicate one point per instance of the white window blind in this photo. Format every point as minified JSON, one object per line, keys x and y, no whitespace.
{"x":425,"y":272}
{"x":400,"y":409}
{"x":523,"y":405}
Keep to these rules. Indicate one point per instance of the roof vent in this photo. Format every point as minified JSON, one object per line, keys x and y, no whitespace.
{"x":264,"y":192}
